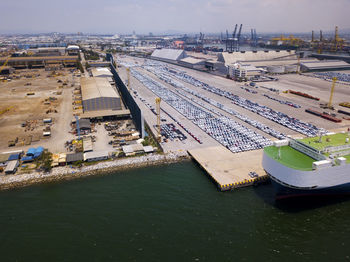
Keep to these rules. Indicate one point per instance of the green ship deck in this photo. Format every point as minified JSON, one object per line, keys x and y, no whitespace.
{"x":290,"y":157}
{"x":326,"y":141}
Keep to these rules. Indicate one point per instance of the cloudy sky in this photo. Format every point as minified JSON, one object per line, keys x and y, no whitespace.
{"x":143,"y":16}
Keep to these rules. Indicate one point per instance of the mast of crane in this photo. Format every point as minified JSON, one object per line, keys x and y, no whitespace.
{"x":332,"y":92}
{"x":158,"y":100}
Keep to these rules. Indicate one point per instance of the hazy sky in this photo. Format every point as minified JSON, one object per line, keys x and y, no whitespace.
{"x":143,"y":16}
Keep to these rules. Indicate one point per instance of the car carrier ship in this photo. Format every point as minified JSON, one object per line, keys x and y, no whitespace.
{"x":309,"y":166}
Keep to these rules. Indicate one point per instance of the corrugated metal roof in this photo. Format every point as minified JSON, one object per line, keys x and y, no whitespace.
{"x":101,"y":72}
{"x":11,"y":166}
{"x":170,"y":54}
{"x":231,"y":58}
{"x":75,"y":157}
{"x":192,"y":60}
{"x":325,"y":64}
{"x":96,"y":154}
{"x":97,"y":87}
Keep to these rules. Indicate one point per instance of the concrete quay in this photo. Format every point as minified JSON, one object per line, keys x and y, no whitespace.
{"x":230,"y":171}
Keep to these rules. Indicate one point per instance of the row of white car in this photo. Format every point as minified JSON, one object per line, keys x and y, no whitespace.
{"x":264,"y":111}
{"x":226,"y":131}
{"x":164,"y":75}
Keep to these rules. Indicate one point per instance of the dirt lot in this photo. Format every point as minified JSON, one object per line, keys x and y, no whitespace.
{"x":29,"y":100}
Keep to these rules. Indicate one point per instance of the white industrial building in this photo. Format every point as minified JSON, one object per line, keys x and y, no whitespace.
{"x":192,"y":62}
{"x":244,"y":56}
{"x":255,"y":58}
{"x":240,"y":71}
{"x":169,"y":55}
{"x":98,"y":94}
{"x":96,"y":156}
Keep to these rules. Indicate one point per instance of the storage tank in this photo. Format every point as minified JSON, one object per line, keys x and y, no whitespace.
{"x":275,"y":69}
{"x":290,"y":68}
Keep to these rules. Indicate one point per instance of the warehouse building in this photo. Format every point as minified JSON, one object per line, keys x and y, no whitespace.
{"x":325,"y":65}
{"x":243,"y":56}
{"x":96,"y":156}
{"x":192,"y":62}
{"x":48,"y":51}
{"x":226,"y":59}
{"x":169,"y":55}
{"x":98,"y":94}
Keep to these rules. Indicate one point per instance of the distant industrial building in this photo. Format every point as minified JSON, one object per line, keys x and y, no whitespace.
{"x":73,"y":50}
{"x":37,"y":61}
{"x":48,"y":51}
{"x":325,"y":65}
{"x":193,"y":63}
{"x":98,"y":94}
{"x":240,"y":71}
{"x":275,"y":58}
{"x":169,"y":55}
{"x":244,"y":56}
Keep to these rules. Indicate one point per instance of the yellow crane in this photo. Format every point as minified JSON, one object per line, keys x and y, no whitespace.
{"x":332,"y":91}
{"x":3,"y":66}
{"x":158,"y":100}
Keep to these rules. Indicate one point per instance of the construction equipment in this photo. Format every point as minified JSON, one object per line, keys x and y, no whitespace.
{"x":332,"y":91}
{"x":158,"y":100}
{"x":6,"y":61}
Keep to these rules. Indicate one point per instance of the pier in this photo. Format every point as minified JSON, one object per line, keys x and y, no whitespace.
{"x":228,"y":170}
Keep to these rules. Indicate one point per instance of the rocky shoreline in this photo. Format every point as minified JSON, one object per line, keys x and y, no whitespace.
{"x":67,"y":173}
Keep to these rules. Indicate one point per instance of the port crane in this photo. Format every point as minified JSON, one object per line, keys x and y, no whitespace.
{"x":238,"y":38}
{"x":158,"y":100}
{"x":332,"y":92}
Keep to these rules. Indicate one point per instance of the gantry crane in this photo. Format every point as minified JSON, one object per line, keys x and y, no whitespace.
{"x":332,"y":91}
{"x":158,"y":100}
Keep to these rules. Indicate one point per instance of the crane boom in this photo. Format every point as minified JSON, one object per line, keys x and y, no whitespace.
{"x":3,"y":66}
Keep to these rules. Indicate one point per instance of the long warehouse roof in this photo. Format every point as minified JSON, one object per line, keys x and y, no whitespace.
{"x":170,"y":54}
{"x":230,"y":58}
{"x":38,"y":58}
{"x":97,"y":87}
{"x":325,"y":64}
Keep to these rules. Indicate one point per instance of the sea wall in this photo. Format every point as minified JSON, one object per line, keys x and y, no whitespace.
{"x":66,"y":172}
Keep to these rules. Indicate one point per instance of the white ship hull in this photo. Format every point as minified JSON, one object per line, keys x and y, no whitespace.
{"x":290,"y":182}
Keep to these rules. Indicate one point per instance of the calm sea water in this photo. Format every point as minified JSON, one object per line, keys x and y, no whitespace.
{"x":166,"y":213}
